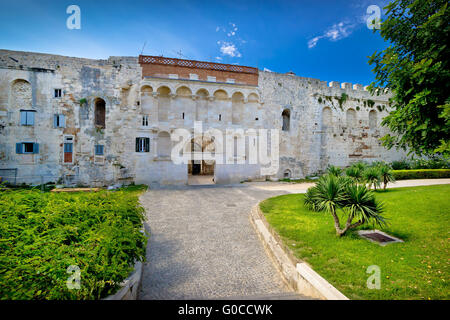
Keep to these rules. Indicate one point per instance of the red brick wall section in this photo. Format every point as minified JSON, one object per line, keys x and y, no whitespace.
{"x":161,"y":67}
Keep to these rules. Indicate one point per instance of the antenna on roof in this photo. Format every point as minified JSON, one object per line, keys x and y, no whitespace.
{"x":142,"y":51}
{"x":180,"y":54}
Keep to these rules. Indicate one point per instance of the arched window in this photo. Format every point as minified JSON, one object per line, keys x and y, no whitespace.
{"x":351,"y":118}
{"x":286,"y":115}
{"x":100,"y":112}
{"x":237,"y":108}
{"x":287,"y":174}
{"x":163,"y":103}
{"x":164,"y":146}
{"x":373,"y":119}
{"x":326,"y":117}
{"x":21,"y":94}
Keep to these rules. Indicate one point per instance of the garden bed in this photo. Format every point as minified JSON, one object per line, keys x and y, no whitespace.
{"x":415,"y":269}
{"x":42,"y":234}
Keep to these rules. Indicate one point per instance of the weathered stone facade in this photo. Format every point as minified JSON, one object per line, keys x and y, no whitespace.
{"x":322,"y":124}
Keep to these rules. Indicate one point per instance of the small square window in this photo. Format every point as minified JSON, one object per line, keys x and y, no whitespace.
{"x":211,"y":79}
{"x":145,"y":120}
{"x":193,"y":76}
{"x":99,"y":150}
{"x":28,"y":147}
{"x":230,"y":81}
{"x":58,"y":93}
{"x":142,"y":144}
{"x":173,"y":76}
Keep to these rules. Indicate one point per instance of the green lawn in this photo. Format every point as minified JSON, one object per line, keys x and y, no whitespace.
{"x":415,"y":269}
{"x":42,"y":234}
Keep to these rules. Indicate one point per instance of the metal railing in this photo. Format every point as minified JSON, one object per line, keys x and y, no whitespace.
{"x":196,"y":64}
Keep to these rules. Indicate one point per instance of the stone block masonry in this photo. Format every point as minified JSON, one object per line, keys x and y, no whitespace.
{"x":101,"y":122}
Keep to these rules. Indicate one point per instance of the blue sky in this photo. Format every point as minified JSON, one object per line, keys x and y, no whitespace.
{"x":322,"y":39}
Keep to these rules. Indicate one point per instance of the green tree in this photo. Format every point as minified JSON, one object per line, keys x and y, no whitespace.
{"x":415,"y":67}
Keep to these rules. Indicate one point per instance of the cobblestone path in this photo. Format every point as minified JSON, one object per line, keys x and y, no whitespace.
{"x":203,"y":245}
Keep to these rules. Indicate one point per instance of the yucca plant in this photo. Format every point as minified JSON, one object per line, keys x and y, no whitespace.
{"x":386,"y":175}
{"x":360,"y":204}
{"x":335,"y":171}
{"x":327,"y":195}
{"x":332,"y":193}
{"x":372,"y":177}
{"x":355,"y":173}
{"x":360,"y":165}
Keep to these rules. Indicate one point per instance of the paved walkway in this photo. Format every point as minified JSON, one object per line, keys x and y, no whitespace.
{"x":203,"y":246}
{"x":302,"y":187}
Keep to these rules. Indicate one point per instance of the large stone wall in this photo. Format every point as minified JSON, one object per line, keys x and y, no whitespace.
{"x":315,"y":139}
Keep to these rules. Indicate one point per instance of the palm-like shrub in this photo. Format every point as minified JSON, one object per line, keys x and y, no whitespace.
{"x":355,"y":173}
{"x":386,"y":175}
{"x":332,"y":193}
{"x":360,"y":165}
{"x":335,"y":171}
{"x":372,"y":177}
{"x":360,"y":204}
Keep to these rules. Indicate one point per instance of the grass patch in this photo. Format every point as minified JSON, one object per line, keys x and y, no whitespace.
{"x":42,"y":234}
{"x":416,"y":269}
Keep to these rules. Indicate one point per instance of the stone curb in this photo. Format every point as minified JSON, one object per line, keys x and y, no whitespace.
{"x":130,"y":286}
{"x":299,"y":276}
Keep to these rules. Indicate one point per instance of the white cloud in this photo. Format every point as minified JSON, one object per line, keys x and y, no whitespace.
{"x":229,"y":49}
{"x":337,"y":32}
{"x":219,"y":58}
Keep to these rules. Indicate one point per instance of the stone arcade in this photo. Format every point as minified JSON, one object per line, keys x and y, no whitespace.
{"x":102,"y":122}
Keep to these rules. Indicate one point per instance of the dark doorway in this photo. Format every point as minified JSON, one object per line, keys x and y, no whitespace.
{"x":196,"y":168}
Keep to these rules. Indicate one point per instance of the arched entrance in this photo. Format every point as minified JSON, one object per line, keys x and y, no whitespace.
{"x":200,"y":171}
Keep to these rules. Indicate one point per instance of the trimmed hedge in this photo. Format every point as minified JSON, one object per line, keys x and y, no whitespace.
{"x":421,"y":174}
{"x":42,"y":234}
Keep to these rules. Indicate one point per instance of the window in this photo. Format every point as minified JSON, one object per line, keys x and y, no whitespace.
{"x":230,"y":81}
{"x":100,"y":112}
{"x":59,"y":121}
{"x":58,"y":93}
{"x":173,"y":76}
{"x":27,"y":147}
{"x":27,"y":117}
{"x":145,"y":120}
{"x":142,"y":144}
{"x":193,"y":76}
{"x":286,"y":115}
{"x":99,"y":150}
{"x":211,"y":78}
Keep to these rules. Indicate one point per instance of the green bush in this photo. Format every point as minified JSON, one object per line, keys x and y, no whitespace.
{"x":421,"y":174}
{"x":42,"y":234}
{"x":433,"y":163}
{"x":400,"y":165}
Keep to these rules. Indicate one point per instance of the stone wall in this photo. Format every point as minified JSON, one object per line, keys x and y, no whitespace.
{"x":325,"y":126}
